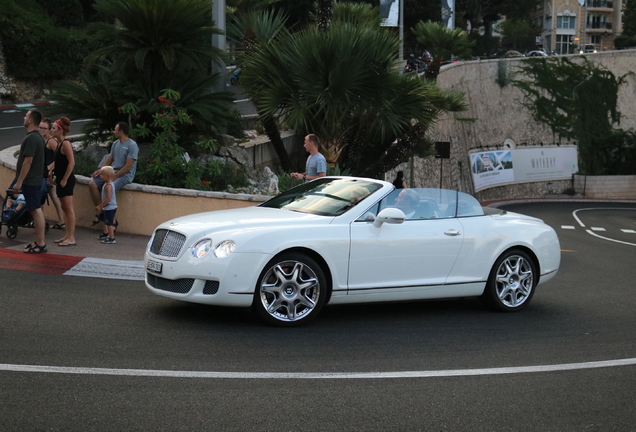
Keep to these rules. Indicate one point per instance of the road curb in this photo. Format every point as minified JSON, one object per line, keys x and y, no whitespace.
{"x":26,"y":105}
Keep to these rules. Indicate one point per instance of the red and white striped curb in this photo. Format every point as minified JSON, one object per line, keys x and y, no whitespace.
{"x":72,"y":266}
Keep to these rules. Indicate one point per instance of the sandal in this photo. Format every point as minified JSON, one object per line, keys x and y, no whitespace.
{"x":59,"y":226}
{"x":95,"y":221}
{"x":37,"y":249}
{"x":30,"y":246}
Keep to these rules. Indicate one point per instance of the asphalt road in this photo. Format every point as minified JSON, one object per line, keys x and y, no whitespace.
{"x":115,"y":357}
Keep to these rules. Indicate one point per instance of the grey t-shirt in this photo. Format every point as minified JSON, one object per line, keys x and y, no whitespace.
{"x":316,"y":164}
{"x":121,"y":152}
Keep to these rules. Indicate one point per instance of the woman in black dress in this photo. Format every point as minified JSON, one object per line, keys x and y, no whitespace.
{"x":49,"y":158}
{"x":399,"y":182}
{"x":64,"y":178}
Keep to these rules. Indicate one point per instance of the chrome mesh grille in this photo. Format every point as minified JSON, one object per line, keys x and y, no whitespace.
{"x":211,"y":287}
{"x":167,"y":243}
{"x":179,"y":286}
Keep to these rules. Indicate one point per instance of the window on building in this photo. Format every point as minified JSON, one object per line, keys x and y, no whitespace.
{"x":597,"y":21}
{"x":566,"y":22}
{"x":595,"y":39}
{"x":563,"y":44}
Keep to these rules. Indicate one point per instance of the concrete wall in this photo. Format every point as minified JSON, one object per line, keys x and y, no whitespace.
{"x":499,"y":116}
{"x":606,"y":187}
{"x":140,"y":208}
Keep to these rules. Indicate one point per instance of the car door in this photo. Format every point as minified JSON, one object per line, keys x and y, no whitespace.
{"x":416,"y":254}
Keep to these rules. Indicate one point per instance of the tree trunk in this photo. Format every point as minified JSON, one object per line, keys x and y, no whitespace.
{"x":271,"y":129}
{"x":324,"y":12}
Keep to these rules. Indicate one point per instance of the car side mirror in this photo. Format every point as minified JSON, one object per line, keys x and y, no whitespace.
{"x":390,"y":216}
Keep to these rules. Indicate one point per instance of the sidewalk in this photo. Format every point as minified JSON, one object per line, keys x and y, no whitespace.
{"x":123,"y":260}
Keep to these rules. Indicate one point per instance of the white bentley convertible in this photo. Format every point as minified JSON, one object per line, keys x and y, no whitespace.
{"x":351,"y":240}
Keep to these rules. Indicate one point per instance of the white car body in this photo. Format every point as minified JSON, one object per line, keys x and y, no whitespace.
{"x":364,"y":258}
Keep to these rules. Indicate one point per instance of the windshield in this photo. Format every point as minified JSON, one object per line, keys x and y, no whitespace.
{"x":428,"y":204}
{"x":324,"y":196}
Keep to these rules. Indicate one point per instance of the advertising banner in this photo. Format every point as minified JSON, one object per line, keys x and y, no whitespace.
{"x":499,"y":167}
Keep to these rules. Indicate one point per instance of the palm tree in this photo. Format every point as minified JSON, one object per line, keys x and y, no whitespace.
{"x":253,"y":28}
{"x":443,"y":43}
{"x":154,"y":45}
{"x":341,"y":84}
{"x":324,"y":13}
{"x":158,"y":42}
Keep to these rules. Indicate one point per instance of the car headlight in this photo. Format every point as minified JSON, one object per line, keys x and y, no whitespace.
{"x":202,"y":248}
{"x":224,"y":249}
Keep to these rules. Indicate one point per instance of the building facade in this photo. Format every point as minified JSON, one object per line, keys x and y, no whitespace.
{"x":570,"y":25}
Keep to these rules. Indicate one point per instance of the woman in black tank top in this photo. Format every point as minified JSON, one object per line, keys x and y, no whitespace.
{"x":64,"y":178}
{"x":49,"y":160}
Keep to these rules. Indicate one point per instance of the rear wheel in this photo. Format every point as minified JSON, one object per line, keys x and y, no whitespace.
{"x":512,"y":281}
{"x":12,"y":231}
{"x":291,"y":290}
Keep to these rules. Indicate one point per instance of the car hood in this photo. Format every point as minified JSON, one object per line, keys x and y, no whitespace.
{"x":240,"y":219}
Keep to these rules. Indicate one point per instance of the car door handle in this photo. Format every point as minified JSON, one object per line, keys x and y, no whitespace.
{"x":452,"y":232}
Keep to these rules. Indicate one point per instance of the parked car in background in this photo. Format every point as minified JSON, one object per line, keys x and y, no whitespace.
{"x":341,"y":240}
{"x":513,"y":54}
{"x":537,"y":53}
{"x":587,"y":49}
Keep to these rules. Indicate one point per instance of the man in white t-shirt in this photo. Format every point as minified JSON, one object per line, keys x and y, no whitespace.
{"x":316,"y":165}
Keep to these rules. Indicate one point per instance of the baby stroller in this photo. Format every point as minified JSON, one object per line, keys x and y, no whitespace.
{"x":13,"y":217}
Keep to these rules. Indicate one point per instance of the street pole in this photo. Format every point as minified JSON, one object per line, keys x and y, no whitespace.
{"x":218,"y":41}
{"x":401,"y":20}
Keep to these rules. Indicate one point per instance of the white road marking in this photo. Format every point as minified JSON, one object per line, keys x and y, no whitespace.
{"x":567,"y":227}
{"x":629,"y":231}
{"x":597,"y":229}
{"x":591,"y":232}
{"x":609,"y":239}
{"x":109,"y":269}
{"x":318,"y":375}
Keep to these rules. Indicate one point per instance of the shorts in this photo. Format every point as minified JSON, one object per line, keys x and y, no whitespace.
{"x":107,"y":216}
{"x":119,"y":183}
{"x":66,"y":190}
{"x":32,"y":196}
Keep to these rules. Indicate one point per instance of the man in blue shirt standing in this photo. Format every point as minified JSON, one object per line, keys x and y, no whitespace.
{"x":316,"y":165}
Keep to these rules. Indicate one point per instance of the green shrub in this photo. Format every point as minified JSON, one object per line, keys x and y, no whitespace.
{"x":218,"y":175}
{"x":34,"y":48}
{"x":84,"y":165}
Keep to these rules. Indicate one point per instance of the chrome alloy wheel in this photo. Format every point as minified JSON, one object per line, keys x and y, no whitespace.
{"x":514,"y":281}
{"x":290,"y":290}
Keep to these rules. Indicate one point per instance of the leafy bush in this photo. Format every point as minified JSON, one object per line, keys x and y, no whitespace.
{"x":65,"y":13}
{"x":84,"y":165}
{"x":27,"y":31}
{"x":219,"y":175}
{"x":624,"y":42}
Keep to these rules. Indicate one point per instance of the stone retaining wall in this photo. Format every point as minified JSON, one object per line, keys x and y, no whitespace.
{"x":498,"y":115}
{"x":140,"y":207}
{"x":606,"y":187}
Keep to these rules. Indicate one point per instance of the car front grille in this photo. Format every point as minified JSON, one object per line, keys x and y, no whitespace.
{"x":167,"y":243}
{"x":179,"y":286}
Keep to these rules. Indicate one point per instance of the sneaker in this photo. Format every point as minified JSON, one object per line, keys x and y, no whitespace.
{"x":102,"y":237}
{"x":109,"y":240}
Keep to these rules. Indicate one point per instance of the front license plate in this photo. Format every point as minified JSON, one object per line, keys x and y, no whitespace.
{"x":154,"y":266}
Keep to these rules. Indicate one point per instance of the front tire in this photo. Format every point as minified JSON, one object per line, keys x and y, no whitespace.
{"x":291,"y":290}
{"x":512,"y":281}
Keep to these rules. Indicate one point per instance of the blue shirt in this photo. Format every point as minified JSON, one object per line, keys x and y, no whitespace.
{"x":316,"y":164}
